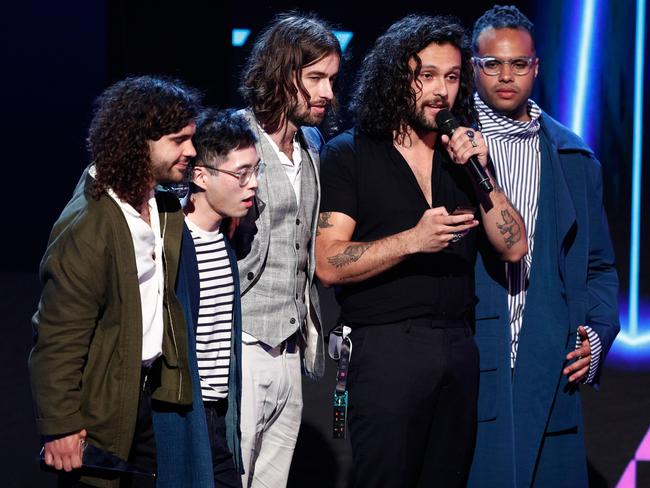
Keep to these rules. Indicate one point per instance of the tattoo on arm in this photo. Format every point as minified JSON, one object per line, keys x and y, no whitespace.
{"x":351,"y":254}
{"x":323,"y":222}
{"x":509,"y":229}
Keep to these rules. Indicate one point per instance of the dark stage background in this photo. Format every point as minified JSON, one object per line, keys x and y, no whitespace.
{"x":58,"y":57}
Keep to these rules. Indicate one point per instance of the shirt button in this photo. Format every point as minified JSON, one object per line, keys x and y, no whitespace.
{"x":292,"y":320}
{"x":250,"y":275}
{"x":297,"y":221}
{"x":297,"y":246}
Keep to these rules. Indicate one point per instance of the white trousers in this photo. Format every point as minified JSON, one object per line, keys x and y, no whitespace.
{"x":271,"y":409}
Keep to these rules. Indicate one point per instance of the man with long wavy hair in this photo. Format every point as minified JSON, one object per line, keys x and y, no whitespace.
{"x":398,"y":235}
{"x":288,"y":83}
{"x":109,"y":332}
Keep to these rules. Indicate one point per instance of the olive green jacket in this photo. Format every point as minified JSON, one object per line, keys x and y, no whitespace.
{"x":86,"y":362}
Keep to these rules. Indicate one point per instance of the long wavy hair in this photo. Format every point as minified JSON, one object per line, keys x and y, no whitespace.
{"x":271,"y":78}
{"x":383,"y":99}
{"x":127,"y":116}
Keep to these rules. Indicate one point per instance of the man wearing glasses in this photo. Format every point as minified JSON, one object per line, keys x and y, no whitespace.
{"x":222,"y":186}
{"x":288,"y":83}
{"x":543,"y":325}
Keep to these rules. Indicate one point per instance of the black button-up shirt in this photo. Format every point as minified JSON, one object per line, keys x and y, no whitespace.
{"x":370,"y":181}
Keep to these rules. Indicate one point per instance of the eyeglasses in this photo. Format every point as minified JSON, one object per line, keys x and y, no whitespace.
{"x":243,"y":175}
{"x":494,"y":66}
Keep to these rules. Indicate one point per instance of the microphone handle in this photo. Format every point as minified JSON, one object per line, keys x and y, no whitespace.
{"x":480,"y":175}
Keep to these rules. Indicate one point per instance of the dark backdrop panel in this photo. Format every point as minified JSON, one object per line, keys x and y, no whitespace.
{"x":54,"y":66}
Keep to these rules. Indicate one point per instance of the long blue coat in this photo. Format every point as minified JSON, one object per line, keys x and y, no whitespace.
{"x":182,"y":444}
{"x":530,"y":430}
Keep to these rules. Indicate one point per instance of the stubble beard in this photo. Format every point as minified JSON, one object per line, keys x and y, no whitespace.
{"x":170,"y":175}
{"x":420,"y":122}
{"x":303,"y":117}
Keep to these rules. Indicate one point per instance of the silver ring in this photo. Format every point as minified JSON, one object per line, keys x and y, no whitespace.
{"x":457,"y":236}
{"x":470,"y":133}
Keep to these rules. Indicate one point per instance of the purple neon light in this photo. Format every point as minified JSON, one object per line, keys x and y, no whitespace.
{"x":628,"y":480}
{"x":643,"y":452}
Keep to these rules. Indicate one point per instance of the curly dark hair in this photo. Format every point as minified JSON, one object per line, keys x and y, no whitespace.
{"x":502,"y":17}
{"x":271,"y":77}
{"x":127,"y":115}
{"x":384,"y":99}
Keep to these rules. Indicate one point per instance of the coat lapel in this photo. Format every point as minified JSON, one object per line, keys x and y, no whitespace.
{"x":544,"y":332}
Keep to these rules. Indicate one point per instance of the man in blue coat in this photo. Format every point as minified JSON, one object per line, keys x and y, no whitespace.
{"x":204,"y":441}
{"x":545,"y":324}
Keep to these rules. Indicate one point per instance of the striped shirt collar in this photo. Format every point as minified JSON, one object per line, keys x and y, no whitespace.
{"x":503,"y":127}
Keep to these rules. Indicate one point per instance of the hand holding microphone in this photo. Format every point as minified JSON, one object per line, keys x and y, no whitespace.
{"x":465,"y":145}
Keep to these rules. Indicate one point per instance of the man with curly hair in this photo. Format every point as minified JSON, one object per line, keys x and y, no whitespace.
{"x":288,"y":83}
{"x":547,"y":322}
{"x":110,"y":335}
{"x":403,"y":259}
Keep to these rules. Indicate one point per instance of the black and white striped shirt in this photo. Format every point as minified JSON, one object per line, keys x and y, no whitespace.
{"x":214,"y":328}
{"x":515,"y":152}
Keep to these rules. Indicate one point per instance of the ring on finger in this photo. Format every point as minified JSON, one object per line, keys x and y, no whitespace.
{"x":473,"y":142}
{"x":456,"y":236}
{"x":470,"y":133}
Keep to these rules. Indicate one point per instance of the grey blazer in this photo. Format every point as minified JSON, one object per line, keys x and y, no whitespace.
{"x":252,"y":242}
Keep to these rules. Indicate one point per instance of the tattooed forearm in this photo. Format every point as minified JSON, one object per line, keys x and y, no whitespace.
{"x":509,"y":229}
{"x":351,"y":254}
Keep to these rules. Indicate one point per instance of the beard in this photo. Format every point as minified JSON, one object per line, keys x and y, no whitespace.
{"x":171,"y":174}
{"x":301,"y":116}
{"x":419,"y":121}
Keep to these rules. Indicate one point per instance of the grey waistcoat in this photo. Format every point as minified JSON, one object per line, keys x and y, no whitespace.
{"x":275,"y":254}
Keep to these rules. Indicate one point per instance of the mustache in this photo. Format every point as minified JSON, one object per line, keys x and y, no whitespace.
{"x":324,"y":104}
{"x":436,"y":104}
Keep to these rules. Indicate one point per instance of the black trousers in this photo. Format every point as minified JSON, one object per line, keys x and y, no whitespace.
{"x":223,"y":465}
{"x":143,"y":448}
{"x":413,"y":389}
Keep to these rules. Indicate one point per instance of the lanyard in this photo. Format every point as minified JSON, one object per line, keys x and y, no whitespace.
{"x":342,"y":350}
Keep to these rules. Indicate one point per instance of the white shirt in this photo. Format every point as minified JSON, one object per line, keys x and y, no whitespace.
{"x":292,"y":168}
{"x":148,"y":248}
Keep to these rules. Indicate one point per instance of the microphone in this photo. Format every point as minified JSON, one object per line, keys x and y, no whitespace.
{"x":447,"y":124}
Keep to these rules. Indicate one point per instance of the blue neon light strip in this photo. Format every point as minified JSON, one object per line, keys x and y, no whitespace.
{"x":633,"y":339}
{"x":586,"y":34}
{"x":637,"y":154}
